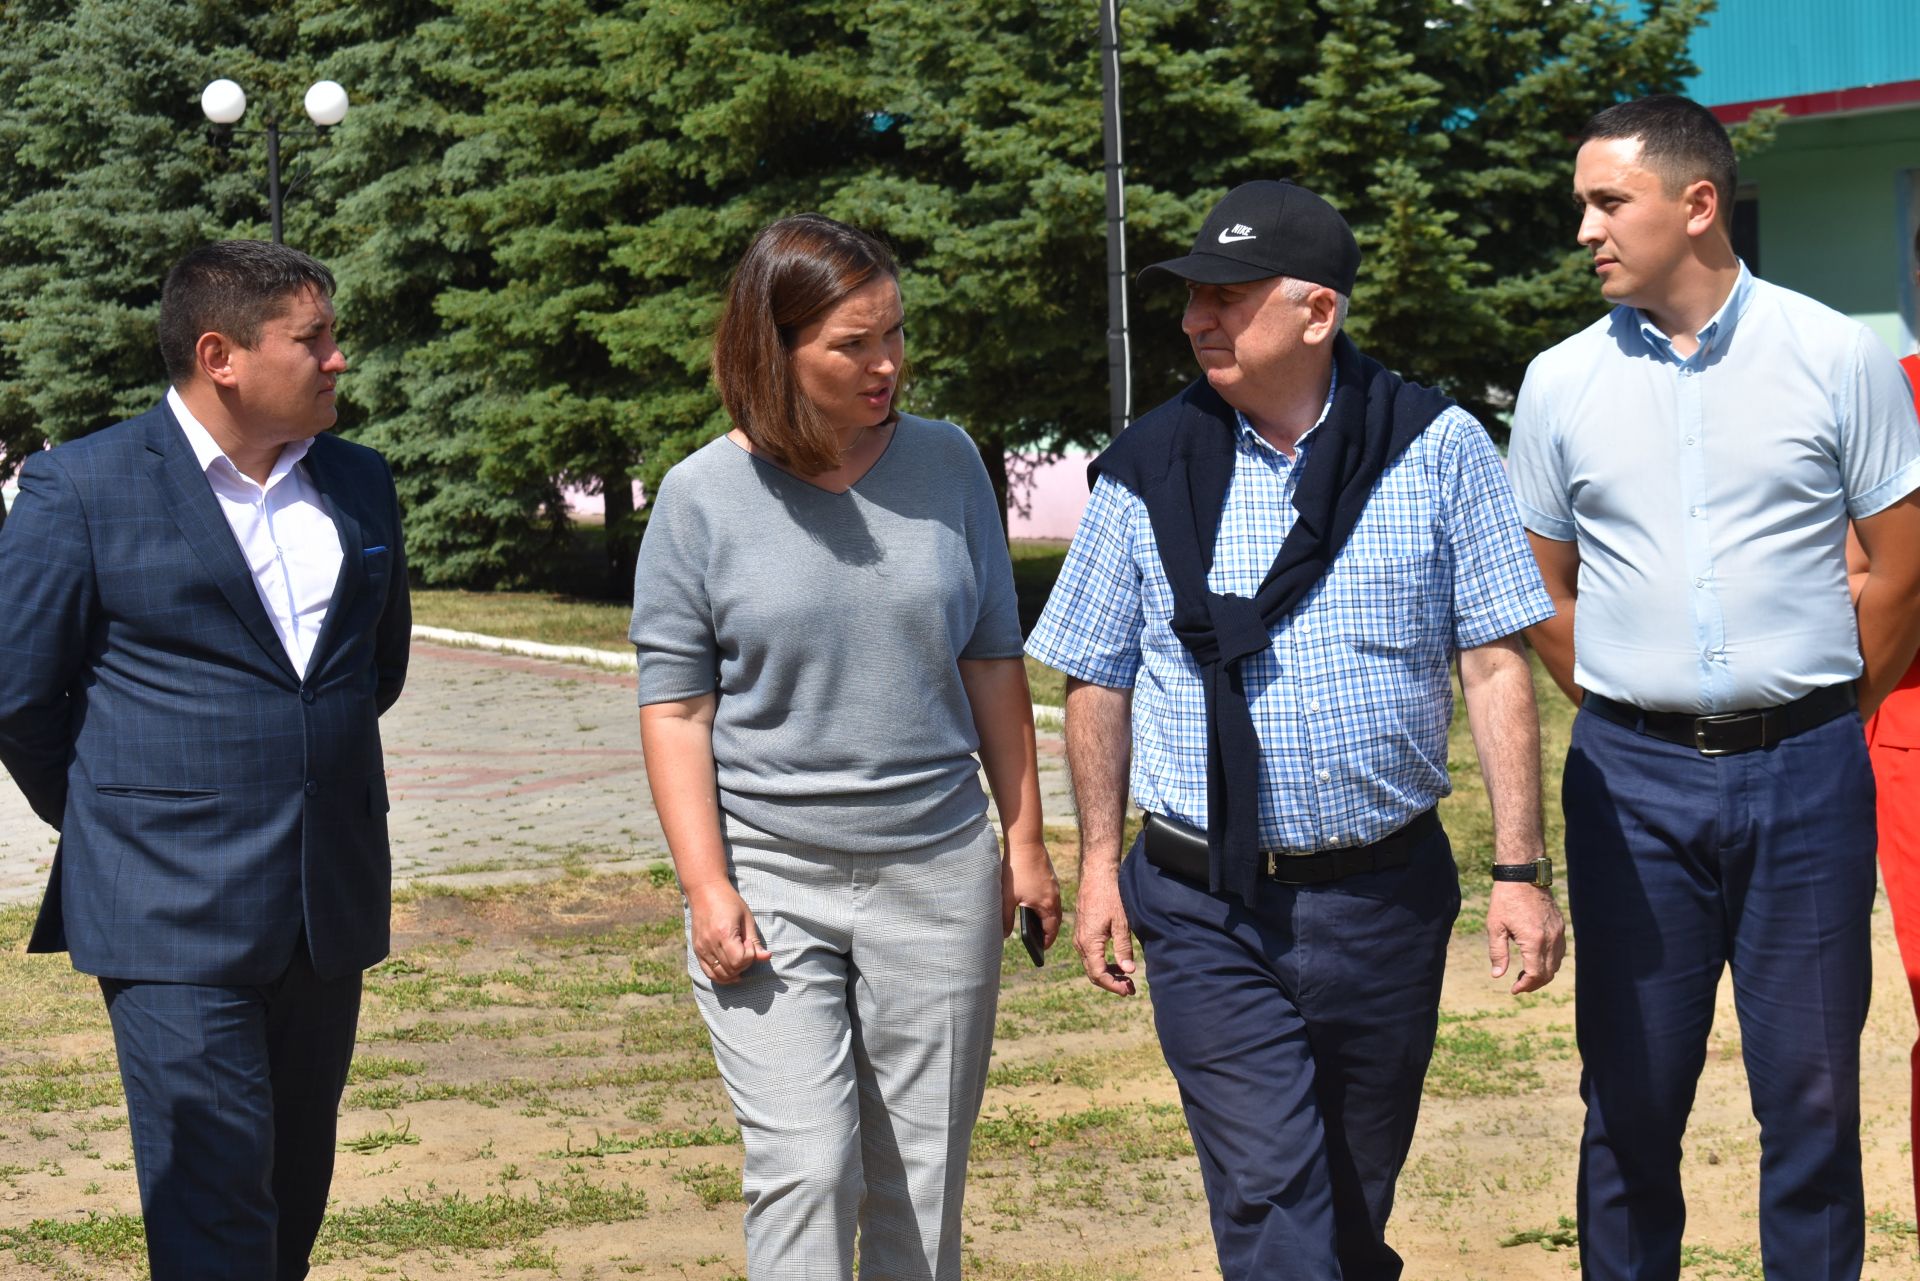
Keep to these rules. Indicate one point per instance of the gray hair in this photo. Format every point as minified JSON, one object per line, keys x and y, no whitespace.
{"x":1296,"y":290}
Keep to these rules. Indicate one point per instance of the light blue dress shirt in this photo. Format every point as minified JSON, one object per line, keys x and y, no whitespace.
{"x":1352,"y":700}
{"x":1709,"y":496}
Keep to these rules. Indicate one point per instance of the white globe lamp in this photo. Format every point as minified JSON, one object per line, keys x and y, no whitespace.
{"x":224,"y":102}
{"x":326,"y":103}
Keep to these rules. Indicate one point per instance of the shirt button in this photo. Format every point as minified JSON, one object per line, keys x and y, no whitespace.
{"x":1693,"y":511}
{"x":1306,"y":628}
{"x":1313,"y":705}
{"x":1699,"y":582}
{"x":1324,"y":776}
{"x":1689,"y":440}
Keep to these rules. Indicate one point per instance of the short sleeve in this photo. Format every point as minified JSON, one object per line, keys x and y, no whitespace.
{"x":1535,"y":465}
{"x":1879,"y":437}
{"x":1091,"y":626}
{"x":1497,"y":589}
{"x":996,"y":628}
{"x":672,"y":627}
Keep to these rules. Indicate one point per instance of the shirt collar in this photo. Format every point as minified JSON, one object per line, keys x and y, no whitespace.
{"x":1714,"y":333}
{"x":1251,"y":437}
{"x":212,"y":458}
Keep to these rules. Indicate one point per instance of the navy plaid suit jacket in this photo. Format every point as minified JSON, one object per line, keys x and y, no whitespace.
{"x":210,"y":802}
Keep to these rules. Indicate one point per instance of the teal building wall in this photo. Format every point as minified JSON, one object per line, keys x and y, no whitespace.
{"x":1838,"y":193}
{"x":1838,"y":201}
{"x":1754,"y":49}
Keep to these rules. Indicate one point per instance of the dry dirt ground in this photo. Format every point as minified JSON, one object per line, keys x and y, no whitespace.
{"x":534,"y":1097}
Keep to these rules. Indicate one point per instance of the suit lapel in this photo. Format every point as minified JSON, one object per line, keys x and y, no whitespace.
{"x":347,"y":587}
{"x":196,"y":512}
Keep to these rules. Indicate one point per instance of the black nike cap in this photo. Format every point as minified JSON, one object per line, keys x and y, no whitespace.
{"x":1262,"y":229}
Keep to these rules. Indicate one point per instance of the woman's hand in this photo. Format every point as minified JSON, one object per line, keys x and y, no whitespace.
{"x":1026,"y":876}
{"x":725,"y":940}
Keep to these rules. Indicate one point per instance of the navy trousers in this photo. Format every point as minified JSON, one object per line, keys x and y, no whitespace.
{"x":231,"y":1098}
{"x":1299,"y":1031}
{"x":1680,"y":865}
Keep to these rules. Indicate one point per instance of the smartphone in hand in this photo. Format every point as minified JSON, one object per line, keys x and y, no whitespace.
{"x":1033,"y":936}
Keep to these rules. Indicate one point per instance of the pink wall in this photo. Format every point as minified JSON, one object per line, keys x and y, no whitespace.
{"x":581,"y":503}
{"x":1046,"y":496}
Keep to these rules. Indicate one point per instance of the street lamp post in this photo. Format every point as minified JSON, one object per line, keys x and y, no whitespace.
{"x":1119,"y":372}
{"x":224,"y":102}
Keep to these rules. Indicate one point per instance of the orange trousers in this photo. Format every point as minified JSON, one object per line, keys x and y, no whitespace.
{"x":1896,"y":773}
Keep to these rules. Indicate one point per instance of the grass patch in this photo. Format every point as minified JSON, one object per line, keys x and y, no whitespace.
{"x":546,"y":617}
{"x":1469,"y":1061}
{"x":71,"y":1085}
{"x":1136,"y":1132}
{"x":41,"y":996}
{"x":715,"y":1135}
{"x":1698,"y":1262}
{"x":108,"y":1238}
{"x":460,"y":1222}
{"x":1036,"y":563}
{"x":554,"y":619}
{"x":1564,"y":1235}
{"x":375,"y":1141}
{"x":716,"y":1185}
{"x":378,"y":1067}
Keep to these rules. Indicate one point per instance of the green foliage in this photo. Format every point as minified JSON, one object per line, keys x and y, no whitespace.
{"x":533,"y":207}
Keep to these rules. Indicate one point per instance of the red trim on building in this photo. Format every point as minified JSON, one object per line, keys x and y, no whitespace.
{"x":1865,"y":98}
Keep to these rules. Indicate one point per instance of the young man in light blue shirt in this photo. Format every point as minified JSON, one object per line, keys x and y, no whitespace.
{"x":1686,"y":468}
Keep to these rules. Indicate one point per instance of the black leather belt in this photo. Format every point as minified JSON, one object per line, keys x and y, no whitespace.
{"x":1174,"y":847}
{"x":1725,"y":733}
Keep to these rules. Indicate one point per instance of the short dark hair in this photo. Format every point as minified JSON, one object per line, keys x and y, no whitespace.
{"x":1680,"y":140}
{"x":231,"y":287}
{"x":794,"y":271}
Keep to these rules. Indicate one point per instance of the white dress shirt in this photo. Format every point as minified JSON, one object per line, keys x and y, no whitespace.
{"x":285,"y":532}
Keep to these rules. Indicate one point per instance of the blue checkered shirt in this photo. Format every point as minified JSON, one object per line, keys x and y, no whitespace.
{"x":1353,"y":699}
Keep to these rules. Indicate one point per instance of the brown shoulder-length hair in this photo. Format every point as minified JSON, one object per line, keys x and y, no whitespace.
{"x":795,"y":270}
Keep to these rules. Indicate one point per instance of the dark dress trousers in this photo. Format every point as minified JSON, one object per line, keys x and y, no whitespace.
{"x":223,"y":864}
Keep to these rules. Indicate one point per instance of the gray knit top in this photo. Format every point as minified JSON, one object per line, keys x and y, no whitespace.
{"x":831,"y":625}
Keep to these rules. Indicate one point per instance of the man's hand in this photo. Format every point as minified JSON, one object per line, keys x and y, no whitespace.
{"x":725,"y":940}
{"x":1526,"y":917}
{"x":1497,"y":685}
{"x":1099,"y":919}
{"x":1098,"y":743}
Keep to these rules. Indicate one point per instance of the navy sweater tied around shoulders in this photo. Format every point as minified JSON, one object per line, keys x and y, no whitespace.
{"x":1179,"y":459}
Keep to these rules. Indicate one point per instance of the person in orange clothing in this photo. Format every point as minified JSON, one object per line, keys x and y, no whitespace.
{"x":1893,"y":741}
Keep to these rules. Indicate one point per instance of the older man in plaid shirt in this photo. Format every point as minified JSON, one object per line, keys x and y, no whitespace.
{"x":1273,"y":578}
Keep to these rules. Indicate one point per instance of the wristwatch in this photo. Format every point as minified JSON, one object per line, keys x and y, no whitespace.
{"x":1539,"y":872}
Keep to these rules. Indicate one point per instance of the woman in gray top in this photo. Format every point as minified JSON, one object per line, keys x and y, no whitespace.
{"x":825,"y":622}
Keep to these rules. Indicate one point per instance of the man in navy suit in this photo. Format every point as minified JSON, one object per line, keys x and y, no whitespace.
{"x":207,"y":613}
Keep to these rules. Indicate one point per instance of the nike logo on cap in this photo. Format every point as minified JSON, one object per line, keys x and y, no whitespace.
{"x":1239,"y":231}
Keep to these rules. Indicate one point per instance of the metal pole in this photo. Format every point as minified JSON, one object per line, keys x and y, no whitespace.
{"x":1119,"y":375}
{"x":273,"y":177}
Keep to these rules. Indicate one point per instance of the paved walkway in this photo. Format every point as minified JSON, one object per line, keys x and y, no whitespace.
{"x":499,"y":768}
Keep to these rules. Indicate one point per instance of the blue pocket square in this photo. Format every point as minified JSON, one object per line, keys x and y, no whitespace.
{"x":374,"y":551}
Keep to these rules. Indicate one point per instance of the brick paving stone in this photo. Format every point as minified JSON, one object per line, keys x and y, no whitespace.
{"x":499,"y":768}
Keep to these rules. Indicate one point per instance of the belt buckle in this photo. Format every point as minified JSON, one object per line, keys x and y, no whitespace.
{"x":1700,"y":724}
